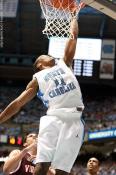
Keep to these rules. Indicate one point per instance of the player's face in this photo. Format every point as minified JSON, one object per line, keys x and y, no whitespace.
{"x":31,"y":138}
{"x":93,"y":165}
{"x":45,"y":61}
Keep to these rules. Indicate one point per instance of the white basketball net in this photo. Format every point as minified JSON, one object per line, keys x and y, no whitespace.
{"x":58,"y":19}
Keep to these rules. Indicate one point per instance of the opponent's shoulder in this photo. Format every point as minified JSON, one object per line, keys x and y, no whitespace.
{"x":14,"y":153}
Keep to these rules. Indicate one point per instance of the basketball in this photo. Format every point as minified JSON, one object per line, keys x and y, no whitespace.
{"x":64,"y":4}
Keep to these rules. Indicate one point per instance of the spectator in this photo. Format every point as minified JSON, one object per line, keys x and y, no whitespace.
{"x":93,"y":166}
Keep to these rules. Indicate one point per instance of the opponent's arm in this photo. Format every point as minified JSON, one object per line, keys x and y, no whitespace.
{"x":71,"y":43}
{"x":20,"y":101}
{"x":14,"y":159}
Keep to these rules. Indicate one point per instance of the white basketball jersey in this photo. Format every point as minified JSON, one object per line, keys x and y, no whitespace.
{"x":58,"y":87}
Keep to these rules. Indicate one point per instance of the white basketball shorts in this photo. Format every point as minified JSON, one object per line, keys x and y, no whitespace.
{"x":59,"y":141}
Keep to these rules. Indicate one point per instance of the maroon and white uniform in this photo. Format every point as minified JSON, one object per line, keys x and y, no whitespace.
{"x":25,"y":167}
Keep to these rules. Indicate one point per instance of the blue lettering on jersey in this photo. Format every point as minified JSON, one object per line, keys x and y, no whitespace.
{"x":60,"y":85}
{"x":59,"y":81}
{"x":62,"y":90}
{"x":54,"y":74}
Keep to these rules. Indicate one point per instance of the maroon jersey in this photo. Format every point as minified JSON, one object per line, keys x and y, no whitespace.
{"x":26,"y":166}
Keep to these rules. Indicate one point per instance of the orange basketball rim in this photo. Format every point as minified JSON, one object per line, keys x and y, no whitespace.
{"x":65,"y":4}
{"x":70,"y":5}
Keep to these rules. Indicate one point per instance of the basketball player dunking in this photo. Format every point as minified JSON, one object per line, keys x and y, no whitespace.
{"x":61,"y":130}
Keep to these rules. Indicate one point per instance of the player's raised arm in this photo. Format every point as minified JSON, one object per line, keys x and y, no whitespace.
{"x":71,"y":43}
{"x":20,"y":101}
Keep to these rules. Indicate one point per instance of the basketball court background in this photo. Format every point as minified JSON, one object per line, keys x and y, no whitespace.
{"x":21,"y":25}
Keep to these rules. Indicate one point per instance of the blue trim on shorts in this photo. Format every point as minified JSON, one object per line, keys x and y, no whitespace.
{"x":83,"y":122}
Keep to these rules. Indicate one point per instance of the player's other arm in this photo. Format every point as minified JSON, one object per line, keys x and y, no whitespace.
{"x":20,"y":101}
{"x":13,"y":161}
{"x":71,"y":43}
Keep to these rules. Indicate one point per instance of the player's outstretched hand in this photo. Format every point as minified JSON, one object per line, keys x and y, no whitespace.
{"x":74,"y":28}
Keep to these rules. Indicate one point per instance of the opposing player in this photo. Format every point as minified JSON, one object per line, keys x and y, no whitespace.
{"x":93,"y":166}
{"x":61,"y":130}
{"x":21,"y":162}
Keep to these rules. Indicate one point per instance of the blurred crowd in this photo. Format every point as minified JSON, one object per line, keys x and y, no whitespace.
{"x":106,"y":168}
{"x":101,"y":111}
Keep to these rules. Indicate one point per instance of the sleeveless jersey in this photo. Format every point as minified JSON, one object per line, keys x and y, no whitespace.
{"x":58,"y":87}
{"x":25,"y":167}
